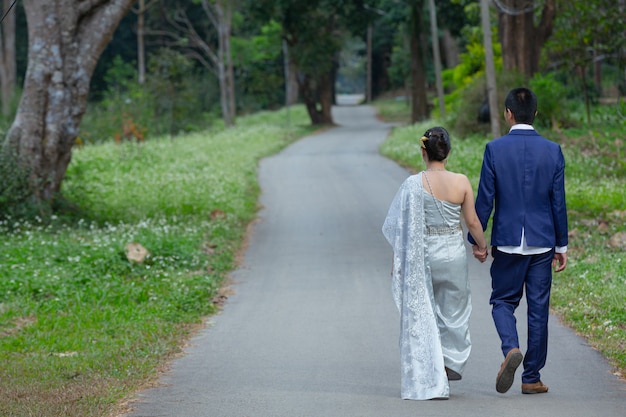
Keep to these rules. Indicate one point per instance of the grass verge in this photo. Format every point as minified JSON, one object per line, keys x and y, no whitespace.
{"x":81,"y":325}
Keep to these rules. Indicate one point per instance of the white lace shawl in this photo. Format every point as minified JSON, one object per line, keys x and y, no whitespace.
{"x":423,"y":372}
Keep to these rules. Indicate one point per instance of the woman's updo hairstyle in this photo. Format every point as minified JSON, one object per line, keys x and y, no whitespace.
{"x":436,"y":142}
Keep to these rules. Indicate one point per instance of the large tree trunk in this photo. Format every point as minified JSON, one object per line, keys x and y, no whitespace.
{"x":317,"y":96}
{"x":419,"y":101}
{"x":520,"y":38}
{"x":8,"y":67}
{"x":66,"y":38}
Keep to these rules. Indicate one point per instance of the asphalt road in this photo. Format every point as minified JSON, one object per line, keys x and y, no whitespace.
{"x":312,"y":331}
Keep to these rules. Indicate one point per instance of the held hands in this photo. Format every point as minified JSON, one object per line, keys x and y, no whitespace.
{"x":480,"y":254}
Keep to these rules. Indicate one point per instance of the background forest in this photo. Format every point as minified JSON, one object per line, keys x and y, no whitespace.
{"x":178,"y":66}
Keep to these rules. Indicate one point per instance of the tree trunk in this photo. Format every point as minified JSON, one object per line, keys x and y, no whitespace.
{"x":450,"y":49}
{"x":291,"y":77}
{"x":419,"y":101}
{"x":437,"y":57}
{"x":8,"y":68}
{"x":141,"y":50}
{"x":490,"y":69}
{"x":230,"y":72}
{"x":318,"y":98}
{"x":224,"y":13}
{"x":521,"y":40}
{"x":66,"y":38}
{"x":292,"y":80}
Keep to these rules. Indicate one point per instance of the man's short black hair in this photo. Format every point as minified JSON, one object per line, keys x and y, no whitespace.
{"x":522,"y":102}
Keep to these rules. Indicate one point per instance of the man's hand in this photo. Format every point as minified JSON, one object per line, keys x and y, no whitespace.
{"x":479,"y":254}
{"x":559,"y":262}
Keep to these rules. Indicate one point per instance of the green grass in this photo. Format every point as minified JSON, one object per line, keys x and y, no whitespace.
{"x":589,"y":295}
{"x":81,"y":326}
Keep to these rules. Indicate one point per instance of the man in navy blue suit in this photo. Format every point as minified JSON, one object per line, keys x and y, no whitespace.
{"x":522,"y":176}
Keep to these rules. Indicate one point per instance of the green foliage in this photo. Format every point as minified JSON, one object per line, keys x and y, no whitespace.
{"x":125,"y":100}
{"x":175,"y":98}
{"x":15,"y":189}
{"x":260,"y":68}
{"x":586,"y":29}
{"x":464,"y":104}
{"x":400,"y":69}
{"x":551,"y":96}
{"x":81,"y":325}
{"x":396,"y":109}
{"x":472,"y":65}
{"x":174,"y":89}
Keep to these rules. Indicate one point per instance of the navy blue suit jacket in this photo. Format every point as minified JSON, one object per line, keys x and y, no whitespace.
{"x":522,"y":177}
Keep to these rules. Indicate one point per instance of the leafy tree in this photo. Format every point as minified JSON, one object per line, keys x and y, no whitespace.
{"x":201,"y":29}
{"x":258,"y":63}
{"x":410,"y":18}
{"x":313,"y":32}
{"x":66,"y":38}
{"x":170,"y":78}
{"x":410,"y":59}
{"x":585,"y":31}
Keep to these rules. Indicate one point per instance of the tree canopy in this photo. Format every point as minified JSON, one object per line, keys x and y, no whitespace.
{"x":275,"y":43}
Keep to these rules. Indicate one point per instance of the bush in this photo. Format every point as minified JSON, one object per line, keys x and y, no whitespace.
{"x":14,"y":188}
{"x":551,"y":96}
{"x":468,"y":101}
{"x":175,"y":99}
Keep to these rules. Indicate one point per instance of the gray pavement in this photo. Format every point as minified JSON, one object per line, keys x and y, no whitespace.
{"x":312,"y":331}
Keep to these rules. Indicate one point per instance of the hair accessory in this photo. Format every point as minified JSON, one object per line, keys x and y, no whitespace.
{"x":423,"y":140}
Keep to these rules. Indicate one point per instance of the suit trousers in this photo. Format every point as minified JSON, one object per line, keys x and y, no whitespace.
{"x":510,"y":275}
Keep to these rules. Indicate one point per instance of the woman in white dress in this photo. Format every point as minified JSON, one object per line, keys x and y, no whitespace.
{"x":429,"y":274}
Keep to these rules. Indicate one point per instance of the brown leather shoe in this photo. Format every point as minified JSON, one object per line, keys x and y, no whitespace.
{"x":534,"y":388}
{"x":453,"y":375}
{"x":505,"y":377}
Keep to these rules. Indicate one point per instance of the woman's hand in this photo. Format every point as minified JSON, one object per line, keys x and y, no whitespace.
{"x":480,"y":254}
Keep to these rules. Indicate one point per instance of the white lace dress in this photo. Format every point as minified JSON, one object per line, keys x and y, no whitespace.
{"x":430,"y":288}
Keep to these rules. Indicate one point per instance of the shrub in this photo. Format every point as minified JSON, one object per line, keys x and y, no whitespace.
{"x":14,"y":188}
{"x":551,"y":96}
{"x":465,"y":109}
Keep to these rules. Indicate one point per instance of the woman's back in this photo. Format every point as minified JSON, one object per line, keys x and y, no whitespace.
{"x":438,"y":213}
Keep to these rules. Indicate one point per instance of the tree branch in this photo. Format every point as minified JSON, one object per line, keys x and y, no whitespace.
{"x":146,"y":7}
{"x":86,"y":6}
{"x":210,"y":12}
{"x":182,"y":24}
{"x":547,"y":21}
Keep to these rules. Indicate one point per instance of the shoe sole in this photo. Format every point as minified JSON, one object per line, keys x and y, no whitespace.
{"x":534,"y":391}
{"x":505,"y":379}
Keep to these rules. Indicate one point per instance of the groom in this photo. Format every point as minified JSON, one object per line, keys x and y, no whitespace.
{"x":523,"y":177}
